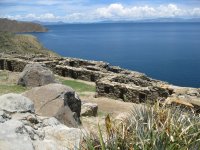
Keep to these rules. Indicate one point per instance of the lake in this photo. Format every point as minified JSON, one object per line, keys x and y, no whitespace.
{"x":164,"y":51}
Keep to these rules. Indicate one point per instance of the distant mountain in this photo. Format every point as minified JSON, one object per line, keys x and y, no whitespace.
{"x":17,"y":26}
{"x":173,"y":20}
{"x":153,"y":20}
{"x":49,"y":23}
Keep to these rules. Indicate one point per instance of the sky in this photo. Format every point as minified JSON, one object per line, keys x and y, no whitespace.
{"x":97,"y":10}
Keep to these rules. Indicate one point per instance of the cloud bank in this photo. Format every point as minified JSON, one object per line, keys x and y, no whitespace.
{"x":116,"y":11}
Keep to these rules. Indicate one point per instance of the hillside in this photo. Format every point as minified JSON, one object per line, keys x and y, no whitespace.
{"x":21,"y":44}
{"x":16,"y":26}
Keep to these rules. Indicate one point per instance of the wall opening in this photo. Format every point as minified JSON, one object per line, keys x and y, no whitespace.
{"x":9,"y":66}
{"x":1,"y":64}
{"x":121,"y":95}
{"x":74,"y":75}
{"x":92,"y":78}
{"x":71,"y":63}
{"x":63,"y":73}
{"x":142,"y":97}
{"x":107,"y":90}
{"x":171,"y":91}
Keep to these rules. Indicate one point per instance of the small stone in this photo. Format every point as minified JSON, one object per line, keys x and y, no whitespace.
{"x":89,"y":109}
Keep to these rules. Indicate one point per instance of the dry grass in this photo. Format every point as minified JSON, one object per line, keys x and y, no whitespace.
{"x":156,"y":128}
{"x":22,"y":44}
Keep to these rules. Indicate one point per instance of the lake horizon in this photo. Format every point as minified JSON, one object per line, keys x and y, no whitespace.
{"x":165,"y":51}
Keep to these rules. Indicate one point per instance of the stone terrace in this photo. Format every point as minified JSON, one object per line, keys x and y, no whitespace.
{"x":111,"y":81}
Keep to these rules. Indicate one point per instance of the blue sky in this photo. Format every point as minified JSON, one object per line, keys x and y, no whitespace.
{"x":98,"y":10}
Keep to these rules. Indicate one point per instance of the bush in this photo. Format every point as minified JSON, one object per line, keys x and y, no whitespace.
{"x":156,"y":128}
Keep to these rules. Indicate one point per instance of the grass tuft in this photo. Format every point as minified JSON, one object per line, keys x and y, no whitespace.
{"x":156,"y":128}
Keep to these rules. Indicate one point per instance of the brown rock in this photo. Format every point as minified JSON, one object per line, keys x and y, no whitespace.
{"x":35,"y":75}
{"x":56,"y":100}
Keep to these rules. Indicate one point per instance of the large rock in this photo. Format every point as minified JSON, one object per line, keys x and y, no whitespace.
{"x":16,"y":103}
{"x":60,"y":137}
{"x":89,"y":109}
{"x":56,"y":100}
{"x":22,"y":133}
{"x":35,"y":75}
{"x":13,"y":136}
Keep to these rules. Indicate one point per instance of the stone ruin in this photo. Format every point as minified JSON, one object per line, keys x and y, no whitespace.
{"x":111,"y":81}
{"x":135,"y":87}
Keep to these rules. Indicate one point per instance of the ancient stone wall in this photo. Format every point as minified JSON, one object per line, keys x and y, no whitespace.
{"x":130,"y":89}
{"x":79,"y":73}
{"x":111,"y":81}
{"x":16,"y":65}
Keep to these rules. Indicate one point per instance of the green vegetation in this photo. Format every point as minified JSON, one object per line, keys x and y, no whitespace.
{"x":156,"y":128}
{"x":22,"y":44}
{"x":7,"y":86}
{"x":79,"y":86}
{"x":12,"y":88}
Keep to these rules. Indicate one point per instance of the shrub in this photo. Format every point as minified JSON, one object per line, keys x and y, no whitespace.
{"x":153,"y":127}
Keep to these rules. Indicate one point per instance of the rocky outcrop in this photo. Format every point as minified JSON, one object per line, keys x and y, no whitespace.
{"x":35,"y":75}
{"x":56,"y":100}
{"x":22,"y":130}
{"x":89,"y":109}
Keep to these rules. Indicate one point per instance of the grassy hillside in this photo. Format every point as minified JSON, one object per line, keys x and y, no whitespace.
{"x":16,"y":26}
{"x":21,"y":44}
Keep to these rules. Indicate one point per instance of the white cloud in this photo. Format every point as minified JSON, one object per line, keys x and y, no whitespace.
{"x":43,"y":17}
{"x":116,"y":11}
{"x":119,"y":11}
{"x":196,"y":12}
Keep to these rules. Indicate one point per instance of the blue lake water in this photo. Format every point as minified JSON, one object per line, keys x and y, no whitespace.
{"x":164,"y":51}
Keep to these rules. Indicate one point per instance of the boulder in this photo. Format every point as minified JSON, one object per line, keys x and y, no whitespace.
{"x":60,"y":137}
{"x":89,"y":109}
{"x":16,"y":103}
{"x":56,"y":100}
{"x":13,"y":136}
{"x":35,"y":75}
{"x":20,"y":133}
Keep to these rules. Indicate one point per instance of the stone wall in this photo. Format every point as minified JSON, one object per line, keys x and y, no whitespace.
{"x":130,"y":89}
{"x":67,"y":67}
{"x":16,"y":65}
{"x":111,"y":81}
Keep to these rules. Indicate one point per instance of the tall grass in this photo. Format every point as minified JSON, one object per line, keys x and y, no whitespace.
{"x":152,"y":128}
